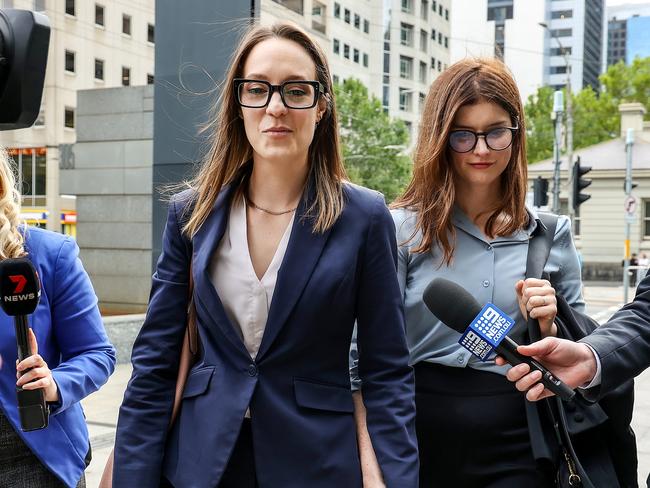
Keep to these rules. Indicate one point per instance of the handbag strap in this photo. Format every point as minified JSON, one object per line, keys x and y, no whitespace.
{"x":539,"y":248}
{"x":192,"y":330}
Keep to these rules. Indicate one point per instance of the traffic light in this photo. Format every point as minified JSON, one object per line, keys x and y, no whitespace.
{"x":540,"y":192}
{"x":579,"y":183}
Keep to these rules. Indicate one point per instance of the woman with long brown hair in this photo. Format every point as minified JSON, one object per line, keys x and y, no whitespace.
{"x":464,"y":217}
{"x":284,"y":255}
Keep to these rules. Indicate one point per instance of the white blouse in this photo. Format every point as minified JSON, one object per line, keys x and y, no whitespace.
{"x":246,"y":299}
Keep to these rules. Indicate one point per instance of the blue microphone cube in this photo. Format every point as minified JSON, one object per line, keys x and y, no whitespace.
{"x":486,"y":331}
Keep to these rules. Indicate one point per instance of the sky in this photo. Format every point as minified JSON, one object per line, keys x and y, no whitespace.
{"x":611,"y":3}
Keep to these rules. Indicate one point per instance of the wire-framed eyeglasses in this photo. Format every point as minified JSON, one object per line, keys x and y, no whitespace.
{"x":295,"y":94}
{"x":498,"y":139}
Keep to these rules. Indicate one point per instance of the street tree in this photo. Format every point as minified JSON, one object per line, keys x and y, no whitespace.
{"x":373,"y":144}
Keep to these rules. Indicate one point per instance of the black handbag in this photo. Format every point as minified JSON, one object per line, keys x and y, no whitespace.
{"x":595,"y":444}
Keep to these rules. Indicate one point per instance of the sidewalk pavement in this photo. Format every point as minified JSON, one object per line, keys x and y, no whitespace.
{"x":102,"y":408}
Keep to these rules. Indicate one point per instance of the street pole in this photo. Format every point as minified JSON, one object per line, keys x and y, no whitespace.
{"x":569,"y":130}
{"x":629,"y":142}
{"x":556,"y":115}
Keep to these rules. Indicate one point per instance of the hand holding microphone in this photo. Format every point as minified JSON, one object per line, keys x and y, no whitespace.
{"x":484,"y":330}
{"x":20,"y":291}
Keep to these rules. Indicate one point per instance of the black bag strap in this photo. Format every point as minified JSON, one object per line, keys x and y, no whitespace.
{"x":539,"y":248}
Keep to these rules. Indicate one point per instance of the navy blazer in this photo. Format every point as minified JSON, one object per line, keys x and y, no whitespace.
{"x":72,"y":341}
{"x":298,"y":388}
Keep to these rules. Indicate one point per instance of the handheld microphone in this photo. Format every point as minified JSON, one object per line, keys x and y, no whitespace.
{"x":483,"y":330}
{"x":20,"y":291}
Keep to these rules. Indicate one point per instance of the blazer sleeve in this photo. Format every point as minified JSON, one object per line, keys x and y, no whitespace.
{"x":623,"y":343}
{"x":87,"y":357}
{"x":387,"y":379}
{"x":568,"y":280}
{"x":146,"y":408}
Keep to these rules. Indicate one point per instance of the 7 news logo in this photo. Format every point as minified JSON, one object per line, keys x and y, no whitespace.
{"x":17,"y":295}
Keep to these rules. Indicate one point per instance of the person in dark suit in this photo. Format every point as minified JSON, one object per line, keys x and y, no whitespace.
{"x":285,"y":256}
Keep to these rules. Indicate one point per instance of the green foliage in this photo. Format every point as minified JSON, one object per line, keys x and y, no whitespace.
{"x":595,"y":115}
{"x":373,"y":144}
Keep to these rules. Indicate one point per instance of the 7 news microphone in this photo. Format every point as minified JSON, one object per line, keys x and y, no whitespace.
{"x":20,"y":291}
{"x":483,"y":329}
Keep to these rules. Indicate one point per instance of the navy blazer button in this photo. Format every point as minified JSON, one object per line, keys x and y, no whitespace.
{"x":252,"y":370}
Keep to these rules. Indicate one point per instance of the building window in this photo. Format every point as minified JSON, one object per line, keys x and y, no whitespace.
{"x":406,"y":67}
{"x":365,"y":60}
{"x":406,"y":34}
{"x":69,"y":118}
{"x":562,"y":14}
{"x":366,"y":26}
{"x":446,"y":42}
{"x":440,"y":10}
{"x":346,"y":51}
{"x":295,"y":5}
{"x":424,"y":39}
{"x":69,"y":7}
{"x":126,"y":24}
{"x":424,"y":9}
{"x":150,"y":33}
{"x":357,"y":21}
{"x":423,"y":72}
{"x":99,"y":15}
{"x":337,"y":46}
{"x":405,"y":99}
{"x":7,"y":4}
{"x":446,"y":14}
{"x":561,"y":32}
{"x":407,"y":6}
{"x":557,"y":70}
{"x":149,"y":79}
{"x":433,"y":35}
{"x":440,"y":38}
{"x":556,"y":51}
{"x":335,"y":79}
{"x":337,"y":10}
{"x":69,"y":61}
{"x":126,"y":76}
{"x":439,"y":66}
{"x":99,"y":69}
{"x":356,"y":56}
{"x":421,"y":98}
{"x":39,"y":5}
{"x":31,"y":173}
{"x":434,"y":5}
{"x":346,"y":16}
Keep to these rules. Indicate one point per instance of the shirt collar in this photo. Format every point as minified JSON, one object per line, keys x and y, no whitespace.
{"x":462,"y":222}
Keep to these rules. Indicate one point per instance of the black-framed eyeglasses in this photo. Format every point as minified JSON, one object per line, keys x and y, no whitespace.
{"x":498,"y":139}
{"x":296,"y":94}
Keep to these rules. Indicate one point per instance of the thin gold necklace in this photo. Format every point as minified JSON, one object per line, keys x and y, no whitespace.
{"x":270,"y":212}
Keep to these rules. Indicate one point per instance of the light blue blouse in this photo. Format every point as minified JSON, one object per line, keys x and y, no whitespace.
{"x":488,"y":269}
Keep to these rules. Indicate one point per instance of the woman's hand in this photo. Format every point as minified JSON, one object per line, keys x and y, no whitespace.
{"x":39,"y":375}
{"x":537,"y":299}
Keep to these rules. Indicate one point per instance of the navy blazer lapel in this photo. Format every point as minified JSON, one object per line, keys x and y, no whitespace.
{"x":302,"y":254}
{"x":204,"y":244}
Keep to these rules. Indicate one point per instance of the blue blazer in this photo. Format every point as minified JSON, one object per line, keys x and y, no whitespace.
{"x":298,"y":388}
{"x":72,"y":340}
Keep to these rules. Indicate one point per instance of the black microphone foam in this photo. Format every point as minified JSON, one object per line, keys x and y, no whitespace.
{"x":20,"y":288}
{"x":451,"y":303}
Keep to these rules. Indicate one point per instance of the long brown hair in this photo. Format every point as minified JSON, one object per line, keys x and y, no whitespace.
{"x":230,"y":151}
{"x":431,"y":192}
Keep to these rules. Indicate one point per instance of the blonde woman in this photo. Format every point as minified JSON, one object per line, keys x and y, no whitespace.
{"x":285,"y":256}
{"x":72,"y":356}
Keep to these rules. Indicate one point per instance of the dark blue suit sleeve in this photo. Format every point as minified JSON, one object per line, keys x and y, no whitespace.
{"x":146,"y":408}
{"x":387,"y":379}
{"x":623,"y":343}
{"x":87,"y":357}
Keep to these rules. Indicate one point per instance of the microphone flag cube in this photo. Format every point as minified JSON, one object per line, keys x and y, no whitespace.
{"x":486,"y":331}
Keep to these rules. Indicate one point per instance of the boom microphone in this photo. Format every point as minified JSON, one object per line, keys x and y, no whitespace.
{"x":20,"y":291}
{"x":483,"y":330}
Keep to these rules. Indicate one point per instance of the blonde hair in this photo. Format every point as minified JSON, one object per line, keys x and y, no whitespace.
{"x":230,"y":151}
{"x":431,"y":192}
{"x":11,"y":239}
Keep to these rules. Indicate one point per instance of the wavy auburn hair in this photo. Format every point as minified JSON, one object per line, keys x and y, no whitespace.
{"x":431,"y":191}
{"x":230,"y":152}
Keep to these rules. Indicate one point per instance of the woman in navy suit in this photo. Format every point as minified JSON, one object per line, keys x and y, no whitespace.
{"x":285,"y":256}
{"x":72,"y":356}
